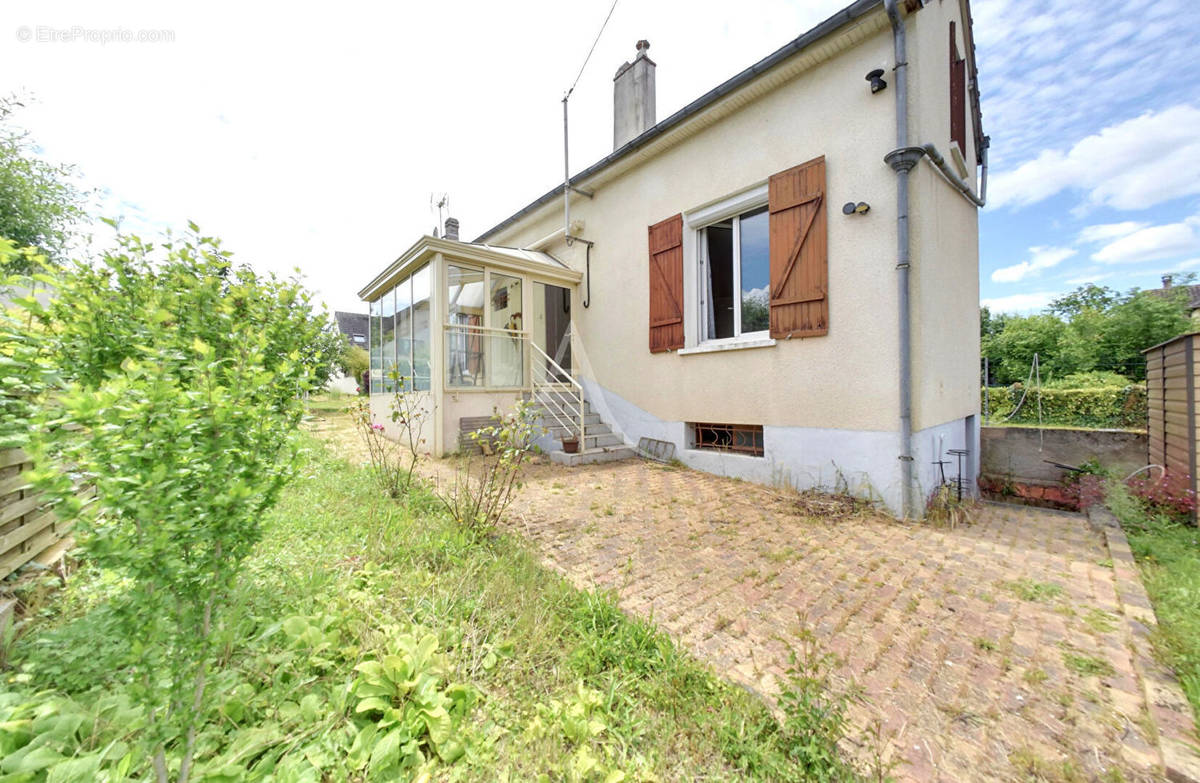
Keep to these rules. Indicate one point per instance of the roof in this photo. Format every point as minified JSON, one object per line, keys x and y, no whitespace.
{"x":497,"y":256}
{"x":850,"y":13}
{"x":351,"y":324}
{"x":1193,"y":294}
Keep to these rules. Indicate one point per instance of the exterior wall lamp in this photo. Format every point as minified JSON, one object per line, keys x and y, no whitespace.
{"x":875,"y":77}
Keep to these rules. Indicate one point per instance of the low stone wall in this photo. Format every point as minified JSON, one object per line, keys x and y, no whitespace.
{"x":1016,"y":462}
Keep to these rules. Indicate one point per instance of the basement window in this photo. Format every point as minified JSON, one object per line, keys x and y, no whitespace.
{"x":734,"y":438}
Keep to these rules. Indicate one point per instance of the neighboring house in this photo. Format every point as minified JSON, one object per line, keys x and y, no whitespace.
{"x":709,"y":288}
{"x":356,"y":327}
{"x":1170,"y":289}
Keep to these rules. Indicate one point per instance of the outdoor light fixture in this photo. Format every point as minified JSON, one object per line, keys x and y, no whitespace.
{"x":875,"y":77}
{"x":861,"y":208}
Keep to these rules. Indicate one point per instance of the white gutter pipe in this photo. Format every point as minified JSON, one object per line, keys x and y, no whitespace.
{"x":938,"y":161}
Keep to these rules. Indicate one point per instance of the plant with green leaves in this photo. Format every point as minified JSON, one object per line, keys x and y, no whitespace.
{"x":414,"y":716}
{"x":409,"y":411}
{"x":478,"y":501}
{"x":179,"y":389}
{"x":39,"y":204}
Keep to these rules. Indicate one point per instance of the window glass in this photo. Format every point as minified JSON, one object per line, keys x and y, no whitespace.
{"x":421,"y":326}
{"x":506,"y":312}
{"x":464,"y":338}
{"x":756,"y":271}
{"x":719,"y":295}
{"x":387,"y":314}
{"x":404,"y":334}
{"x":376,"y":372}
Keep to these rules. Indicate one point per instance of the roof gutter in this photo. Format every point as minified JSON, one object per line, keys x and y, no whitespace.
{"x":851,"y":13}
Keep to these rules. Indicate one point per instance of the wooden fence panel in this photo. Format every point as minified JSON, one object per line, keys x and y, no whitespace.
{"x":26,"y":528}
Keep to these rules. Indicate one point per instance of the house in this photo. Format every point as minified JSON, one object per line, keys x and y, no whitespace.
{"x":781,"y":278}
{"x":1189,"y":294}
{"x":355,"y":326}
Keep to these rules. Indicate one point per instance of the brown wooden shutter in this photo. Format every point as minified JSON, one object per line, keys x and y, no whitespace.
{"x":958,"y":96}
{"x":666,"y":285}
{"x":799,"y":252}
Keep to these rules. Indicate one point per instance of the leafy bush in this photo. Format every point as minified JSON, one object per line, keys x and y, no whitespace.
{"x":1096,"y":379}
{"x":355,"y":364}
{"x":478,"y":502}
{"x":1111,"y":406}
{"x":178,"y":386}
{"x":409,"y":411}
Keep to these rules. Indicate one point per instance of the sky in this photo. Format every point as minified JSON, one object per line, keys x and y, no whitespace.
{"x":314,"y":136}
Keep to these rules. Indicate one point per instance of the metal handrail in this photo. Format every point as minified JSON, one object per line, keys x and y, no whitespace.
{"x":510,"y":332}
{"x":545,"y":387}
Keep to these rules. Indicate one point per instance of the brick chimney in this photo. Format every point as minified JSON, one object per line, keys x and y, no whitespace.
{"x":451,"y":229}
{"x":633,"y":97}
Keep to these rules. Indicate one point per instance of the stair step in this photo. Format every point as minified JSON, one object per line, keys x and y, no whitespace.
{"x":559,"y":432}
{"x":591,"y":456}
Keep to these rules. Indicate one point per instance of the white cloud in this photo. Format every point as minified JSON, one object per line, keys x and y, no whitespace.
{"x":1040,"y":258}
{"x":1020,"y":303}
{"x":1152,"y":244}
{"x":1089,"y":277}
{"x":1133,"y":164}
{"x":1107,"y":231}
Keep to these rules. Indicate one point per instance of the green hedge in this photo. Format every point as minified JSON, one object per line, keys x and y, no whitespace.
{"x":1109,"y":406}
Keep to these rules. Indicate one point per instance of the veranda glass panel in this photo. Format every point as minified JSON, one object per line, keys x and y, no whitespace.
{"x":404,"y":334}
{"x":387,"y":315}
{"x":506,"y":351}
{"x":376,"y":372}
{"x":422,"y":338}
{"x":464,"y":338}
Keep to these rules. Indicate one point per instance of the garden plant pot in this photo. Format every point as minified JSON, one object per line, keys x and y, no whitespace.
{"x":571,"y":445}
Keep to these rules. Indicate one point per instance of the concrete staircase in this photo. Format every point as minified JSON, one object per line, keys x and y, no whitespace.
{"x":600,"y":443}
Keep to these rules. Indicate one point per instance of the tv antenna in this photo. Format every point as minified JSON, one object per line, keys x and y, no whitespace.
{"x":441,"y":203}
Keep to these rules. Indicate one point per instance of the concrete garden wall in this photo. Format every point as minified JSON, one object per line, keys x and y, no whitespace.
{"x":1014,"y":459}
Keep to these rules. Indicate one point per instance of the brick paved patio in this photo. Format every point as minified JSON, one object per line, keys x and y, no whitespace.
{"x":1013,"y":648}
{"x":993,"y":651}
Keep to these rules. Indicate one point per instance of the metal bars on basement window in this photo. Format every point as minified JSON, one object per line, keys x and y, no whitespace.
{"x":736,"y":438}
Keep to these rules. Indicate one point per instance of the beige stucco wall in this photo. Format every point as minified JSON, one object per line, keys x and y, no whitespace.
{"x":945,"y":234}
{"x":847,"y":379}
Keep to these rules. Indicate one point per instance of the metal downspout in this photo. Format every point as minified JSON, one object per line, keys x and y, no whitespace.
{"x":902,"y":159}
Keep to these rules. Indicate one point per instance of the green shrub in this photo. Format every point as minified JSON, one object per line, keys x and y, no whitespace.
{"x":177,"y":386}
{"x":1096,"y":379}
{"x":1106,"y":406}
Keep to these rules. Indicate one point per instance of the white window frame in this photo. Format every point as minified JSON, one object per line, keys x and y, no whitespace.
{"x":696,"y":221}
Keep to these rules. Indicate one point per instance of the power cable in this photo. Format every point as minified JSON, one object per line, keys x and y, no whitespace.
{"x":612,"y":8}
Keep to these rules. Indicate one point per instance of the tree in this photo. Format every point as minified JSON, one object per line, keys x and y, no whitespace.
{"x":39,"y":205}
{"x":177,"y":389}
{"x":1011,"y":351}
{"x":1090,"y":328}
{"x":1087,"y":297}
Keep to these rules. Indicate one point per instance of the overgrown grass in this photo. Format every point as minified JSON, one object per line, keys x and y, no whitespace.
{"x":563,"y":686}
{"x":1168,"y":552}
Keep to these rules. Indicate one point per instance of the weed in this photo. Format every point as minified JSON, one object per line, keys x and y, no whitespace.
{"x":1087,"y":665}
{"x":1030,"y":590}
{"x":1035,"y":676}
{"x":1100,"y":621}
{"x":1033,"y":767}
{"x":987,"y":645}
